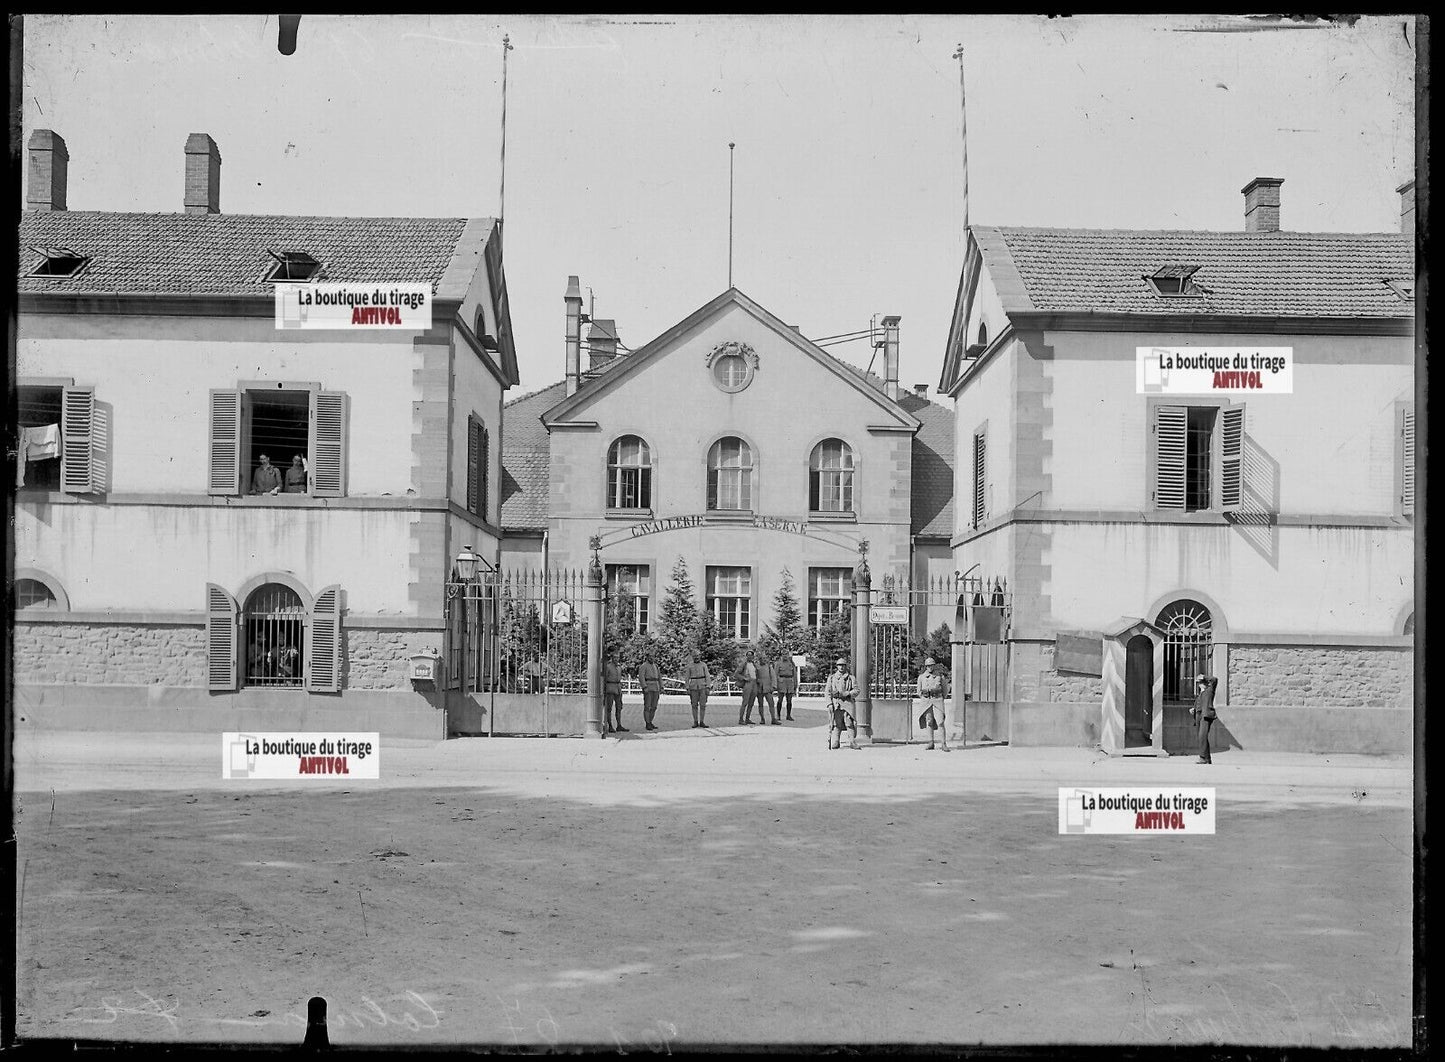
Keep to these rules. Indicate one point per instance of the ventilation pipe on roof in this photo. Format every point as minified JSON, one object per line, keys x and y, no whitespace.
{"x":1407,"y":206}
{"x":890,"y":357}
{"x":601,"y":343}
{"x":1261,"y":204}
{"x":203,"y":175}
{"x":573,"y":300}
{"x":49,"y":171}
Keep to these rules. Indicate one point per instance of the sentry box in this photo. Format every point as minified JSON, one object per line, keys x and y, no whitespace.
{"x":424,"y":668}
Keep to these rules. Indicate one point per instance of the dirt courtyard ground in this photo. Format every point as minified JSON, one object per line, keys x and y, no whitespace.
{"x":704,"y":887}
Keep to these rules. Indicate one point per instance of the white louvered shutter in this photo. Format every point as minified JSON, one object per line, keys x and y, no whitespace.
{"x":980,"y":477}
{"x":328,"y":444}
{"x":1407,"y":460}
{"x":1171,"y":431}
{"x":225,"y":477}
{"x":1231,"y":457}
{"x":323,"y":673}
{"x":77,"y":453}
{"x":221,"y":638}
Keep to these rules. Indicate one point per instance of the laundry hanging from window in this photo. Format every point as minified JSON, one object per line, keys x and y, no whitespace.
{"x":36,"y":443}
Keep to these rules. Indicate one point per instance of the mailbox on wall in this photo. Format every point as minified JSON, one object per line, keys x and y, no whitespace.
{"x":424,"y":667}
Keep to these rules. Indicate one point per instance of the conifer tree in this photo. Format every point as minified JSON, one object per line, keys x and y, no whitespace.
{"x":677,"y":624}
{"x":786,"y":634}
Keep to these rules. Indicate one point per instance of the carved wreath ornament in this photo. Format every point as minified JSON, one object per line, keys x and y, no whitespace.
{"x":732,"y":365}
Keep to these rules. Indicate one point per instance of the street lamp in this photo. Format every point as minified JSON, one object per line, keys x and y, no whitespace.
{"x":468,"y":564}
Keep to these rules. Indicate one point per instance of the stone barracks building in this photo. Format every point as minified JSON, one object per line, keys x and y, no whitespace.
{"x":735,"y":443}
{"x":1264,"y":539}
{"x":153,"y":588}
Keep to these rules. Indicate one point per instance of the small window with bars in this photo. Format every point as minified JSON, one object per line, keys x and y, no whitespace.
{"x":32,"y":593}
{"x":729,"y":600}
{"x":829,"y":592}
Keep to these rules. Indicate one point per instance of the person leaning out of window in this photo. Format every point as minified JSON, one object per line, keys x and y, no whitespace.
{"x":267,"y":479}
{"x":296,"y":476}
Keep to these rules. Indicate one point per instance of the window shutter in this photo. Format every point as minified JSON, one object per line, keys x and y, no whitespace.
{"x":1231,"y":457}
{"x":323,"y":673}
{"x":1407,"y":460}
{"x":1171,"y":428}
{"x":77,"y":425}
{"x":221,"y":638}
{"x":980,"y":471}
{"x":485,"y":464}
{"x":225,"y":443}
{"x":328,"y":444}
{"x":474,"y":447}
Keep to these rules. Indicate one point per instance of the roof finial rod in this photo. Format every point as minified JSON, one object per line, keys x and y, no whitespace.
{"x":963,"y":105}
{"x":502,"y":192}
{"x":731,"y":146}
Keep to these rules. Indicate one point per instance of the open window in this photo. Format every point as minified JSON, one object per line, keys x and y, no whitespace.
{"x":278,"y":439}
{"x":59,"y":443}
{"x":58,"y":262}
{"x":1198,"y":455}
{"x":1175,"y":281}
{"x":293,"y":266}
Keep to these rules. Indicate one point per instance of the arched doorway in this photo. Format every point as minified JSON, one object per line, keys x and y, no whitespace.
{"x":1188,"y":652}
{"x":273,"y":632}
{"x":1139,"y":692}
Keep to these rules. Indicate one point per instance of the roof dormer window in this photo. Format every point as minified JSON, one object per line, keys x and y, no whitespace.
{"x":58,"y":262}
{"x":293,"y":266}
{"x":1174,"y":281}
{"x":1403,"y":288}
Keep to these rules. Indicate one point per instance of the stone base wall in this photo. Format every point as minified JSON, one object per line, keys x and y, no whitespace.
{"x":110,"y":654}
{"x":1327,"y":676}
{"x":174,"y":655}
{"x":381,"y":659}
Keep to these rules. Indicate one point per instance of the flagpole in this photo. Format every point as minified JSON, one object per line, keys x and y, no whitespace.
{"x":963,"y":107}
{"x":502,"y":193}
{"x":731,"y":146}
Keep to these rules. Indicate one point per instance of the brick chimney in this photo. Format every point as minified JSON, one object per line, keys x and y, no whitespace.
{"x":601,"y":343}
{"x":921,"y":390}
{"x":203,"y":175}
{"x":890,"y":357}
{"x":1407,"y":206}
{"x":49,"y":171}
{"x":573,"y":300}
{"x":1261,"y":204}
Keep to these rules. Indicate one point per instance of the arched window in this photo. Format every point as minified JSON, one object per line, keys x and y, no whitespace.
{"x":32,"y":593}
{"x":629,"y":474}
{"x":830,"y":477}
{"x":730,"y":475}
{"x":1410,"y":625}
{"x":1188,"y":630}
{"x":273,"y":629}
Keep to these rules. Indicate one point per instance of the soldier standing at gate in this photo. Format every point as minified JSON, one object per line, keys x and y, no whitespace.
{"x":787,"y":673}
{"x":767,"y":687}
{"x":651,"y":679}
{"x":698,"y":681}
{"x":747,"y":677}
{"x":842,"y":693}
{"x":612,"y":694}
{"x":930,"y":691}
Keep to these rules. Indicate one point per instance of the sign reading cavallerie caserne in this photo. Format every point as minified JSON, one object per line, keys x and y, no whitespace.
{"x":321,"y":305}
{"x":1214,"y":370}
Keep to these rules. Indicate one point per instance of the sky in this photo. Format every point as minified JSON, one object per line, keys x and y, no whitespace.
{"x":848,"y":170}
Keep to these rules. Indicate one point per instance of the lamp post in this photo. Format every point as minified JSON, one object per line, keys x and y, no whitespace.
{"x":465,"y":569}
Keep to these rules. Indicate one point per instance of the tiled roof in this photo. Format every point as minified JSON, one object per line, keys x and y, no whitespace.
{"x":1264,"y":274}
{"x":526,"y":447}
{"x":226,"y":254}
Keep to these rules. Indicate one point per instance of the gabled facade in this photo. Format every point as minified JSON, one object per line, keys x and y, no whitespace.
{"x":156,"y":587}
{"x":733,"y":442}
{"x":1270,"y":535}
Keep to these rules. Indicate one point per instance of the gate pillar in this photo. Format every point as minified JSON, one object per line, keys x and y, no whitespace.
{"x":957,"y":674}
{"x":862,"y":642}
{"x":592,"y":609}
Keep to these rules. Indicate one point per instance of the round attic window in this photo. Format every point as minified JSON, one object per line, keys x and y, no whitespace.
{"x":732,"y":366}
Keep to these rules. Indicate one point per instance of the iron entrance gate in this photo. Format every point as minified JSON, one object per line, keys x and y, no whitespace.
{"x":514,"y":634}
{"x":904,"y":624}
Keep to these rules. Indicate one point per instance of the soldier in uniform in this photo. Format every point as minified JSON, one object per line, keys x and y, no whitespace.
{"x":767,"y":687}
{"x":747,"y":677}
{"x":930,"y":691}
{"x":267,"y":479}
{"x":1204,"y":713}
{"x":651,"y":679}
{"x":697,"y":679}
{"x":842,"y":692}
{"x":787,"y":673}
{"x":612,"y":694}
